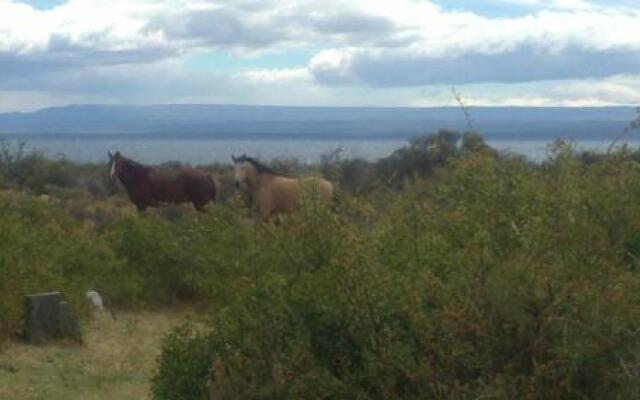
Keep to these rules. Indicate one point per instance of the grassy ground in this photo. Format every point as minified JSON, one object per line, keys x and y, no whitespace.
{"x":116,"y":360}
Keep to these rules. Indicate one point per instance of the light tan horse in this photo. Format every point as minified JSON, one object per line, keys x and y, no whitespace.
{"x":273,"y":193}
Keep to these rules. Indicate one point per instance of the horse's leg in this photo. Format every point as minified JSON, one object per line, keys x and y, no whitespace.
{"x":199,"y":201}
{"x":264,"y":213}
{"x":277,"y":219}
{"x":200,"y":206}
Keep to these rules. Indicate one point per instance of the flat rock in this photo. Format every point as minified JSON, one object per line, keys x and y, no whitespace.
{"x":48,"y":317}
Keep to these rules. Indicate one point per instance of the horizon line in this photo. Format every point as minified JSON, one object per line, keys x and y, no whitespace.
{"x":432,"y":107}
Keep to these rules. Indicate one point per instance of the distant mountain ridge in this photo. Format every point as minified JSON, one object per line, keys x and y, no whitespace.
{"x":331,"y":123}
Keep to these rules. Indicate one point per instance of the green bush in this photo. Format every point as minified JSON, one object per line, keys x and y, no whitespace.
{"x":42,"y":249}
{"x":183,"y":366}
{"x":494,"y":278}
{"x":190,"y":258}
{"x":445,"y":271}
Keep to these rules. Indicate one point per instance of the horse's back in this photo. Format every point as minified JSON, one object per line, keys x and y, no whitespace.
{"x":185,"y":185}
{"x":286,"y":194}
{"x":319,"y":187}
{"x":198,"y":185}
{"x":279,"y":197}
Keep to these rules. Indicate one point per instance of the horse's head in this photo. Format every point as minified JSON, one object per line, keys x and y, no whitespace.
{"x":115,"y":161}
{"x":240,"y":171}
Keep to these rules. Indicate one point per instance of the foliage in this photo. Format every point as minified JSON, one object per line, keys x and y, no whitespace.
{"x":10,"y":158}
{"x":446,"y":271}
{"x":493,"y":278}
{"x":425,"y":154}
{"x":29,"y":169}
{"x":181,"y":260}
{"x":181,"y":365}
{"x":42,"y":249}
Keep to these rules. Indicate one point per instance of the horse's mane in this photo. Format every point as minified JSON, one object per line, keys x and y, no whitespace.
{"x":261,"y":168}
{"x":134,"y":166}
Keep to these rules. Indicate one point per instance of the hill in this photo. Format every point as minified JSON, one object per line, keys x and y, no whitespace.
{"x":280,"y":122}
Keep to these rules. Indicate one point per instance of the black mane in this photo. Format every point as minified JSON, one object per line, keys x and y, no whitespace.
{"x":260,"y":167}
{"x":134,"y":168}
{"x":133,"y":164}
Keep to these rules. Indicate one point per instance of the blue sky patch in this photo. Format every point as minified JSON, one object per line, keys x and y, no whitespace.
{"x":224,"y":62}
{"x":513,"y":9}
{"x":489,"y":8}
{"x":43,"y":4}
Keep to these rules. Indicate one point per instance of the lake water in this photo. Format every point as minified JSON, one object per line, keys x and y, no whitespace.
{"x":204,"y":151}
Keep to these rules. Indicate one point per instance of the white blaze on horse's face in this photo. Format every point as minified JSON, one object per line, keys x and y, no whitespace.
{"x":240,"y":174}
{"x":112,"y":169}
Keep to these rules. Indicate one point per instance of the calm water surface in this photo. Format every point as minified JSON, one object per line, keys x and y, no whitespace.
{"x":205,"y":151}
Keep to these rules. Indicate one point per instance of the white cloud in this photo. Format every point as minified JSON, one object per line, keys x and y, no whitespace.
{"x":620,"y":90}
{"x":162,"y":83}
{"x":463,"y":48}
{"x":112,"y":25}
{"x":366,"y":51}
{"x":420,"y":27}
{"x":274,"y":75}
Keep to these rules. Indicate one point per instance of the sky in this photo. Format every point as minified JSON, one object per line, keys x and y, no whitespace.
{"x":391,"y":53}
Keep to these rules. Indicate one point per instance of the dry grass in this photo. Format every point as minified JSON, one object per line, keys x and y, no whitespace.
{"x":116,"y":361}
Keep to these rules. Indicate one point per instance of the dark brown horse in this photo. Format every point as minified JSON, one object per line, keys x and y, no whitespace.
{"x":149,"y":187}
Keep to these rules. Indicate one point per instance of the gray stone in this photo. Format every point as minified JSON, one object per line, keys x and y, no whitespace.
{"x":48,"y":317}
